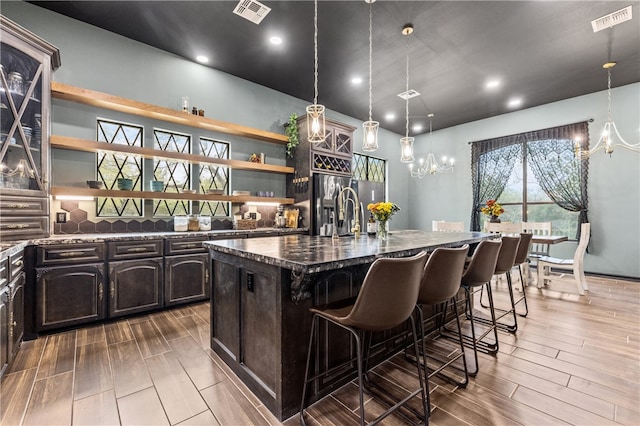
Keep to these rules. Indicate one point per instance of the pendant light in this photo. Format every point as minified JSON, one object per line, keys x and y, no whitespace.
{"x":315,"y":113}
{"x":607,"y":139}
{"x":406,"y":143}
{"x":431,"y":166}
{"x":370,"y":137}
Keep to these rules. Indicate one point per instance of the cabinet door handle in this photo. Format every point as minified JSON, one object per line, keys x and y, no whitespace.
{"x":206,"y":276}
{"x":100,"y":292}
{"x":71,"y":254}
{"x":18,"y":226}
{"x":112,"y":290}
{"x":136,"y":249}
{"x":12,"y":324}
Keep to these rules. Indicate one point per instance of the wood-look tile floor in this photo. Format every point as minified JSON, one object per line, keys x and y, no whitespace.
{"x":574,"y":360}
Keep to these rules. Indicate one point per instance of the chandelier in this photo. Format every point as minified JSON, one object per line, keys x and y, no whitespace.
{"x":431,"y":166}
{"x":406,"y":143}
{"x":609,"y":133}
{"x":315,"y":113}
{"x":370,"y":140}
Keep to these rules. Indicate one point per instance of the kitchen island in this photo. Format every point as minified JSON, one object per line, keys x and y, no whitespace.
{"x":261,"y":293}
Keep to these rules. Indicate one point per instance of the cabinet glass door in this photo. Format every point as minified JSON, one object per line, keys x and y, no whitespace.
{"x":20,"y":120}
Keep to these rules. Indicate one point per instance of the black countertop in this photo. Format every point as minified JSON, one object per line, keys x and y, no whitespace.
{"x":311,"y":254}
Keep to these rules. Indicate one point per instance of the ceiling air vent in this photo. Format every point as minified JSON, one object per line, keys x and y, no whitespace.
{"x":409,"y":94}
{"x":251,"y":10}
{"x":611,"y":19}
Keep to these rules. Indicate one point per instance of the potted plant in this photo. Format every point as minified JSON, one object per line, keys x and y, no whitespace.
{"x":291,"y":130}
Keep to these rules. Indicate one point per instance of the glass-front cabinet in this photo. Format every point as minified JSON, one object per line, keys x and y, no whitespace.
{"x":26,"y":64}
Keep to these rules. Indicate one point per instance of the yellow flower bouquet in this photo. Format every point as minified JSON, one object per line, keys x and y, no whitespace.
{"x":492,"y":208}
{"x":383,"y":211}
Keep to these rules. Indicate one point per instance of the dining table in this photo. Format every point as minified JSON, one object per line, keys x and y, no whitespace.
{"x":549,"y":239}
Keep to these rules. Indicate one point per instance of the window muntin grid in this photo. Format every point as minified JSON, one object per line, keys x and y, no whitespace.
{"x":175,"y":174}
{"x":212,"y":176}
{"x":112,"y":166}
{"x":368,"y":168}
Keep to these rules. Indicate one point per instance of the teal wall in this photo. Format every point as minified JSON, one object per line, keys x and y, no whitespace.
{"x":99,"y":60}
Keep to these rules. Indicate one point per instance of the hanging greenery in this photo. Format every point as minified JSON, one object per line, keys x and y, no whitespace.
{"x":291,"y":130}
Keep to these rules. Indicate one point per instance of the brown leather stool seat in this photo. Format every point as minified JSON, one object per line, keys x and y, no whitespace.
{"x":440,"y":286}
{"x":504,"y":264}
{"x":476,"y":276}
{"x":386,"y":300}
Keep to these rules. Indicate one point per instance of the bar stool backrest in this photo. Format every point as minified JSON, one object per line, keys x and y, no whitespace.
{"x":523,"y":248}
{"x":507,"y":254}
{"x":388,"y":294}
{"x":483,"y":264}
{"x":442,"y":275}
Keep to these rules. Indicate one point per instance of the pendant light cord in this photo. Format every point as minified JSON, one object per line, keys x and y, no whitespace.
{"x":315,"y":52}
{"x":407,"y":93}
{"x":609,"y":92}
{"x":370,"y":56}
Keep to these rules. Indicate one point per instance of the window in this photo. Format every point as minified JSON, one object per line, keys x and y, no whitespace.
{"x":535,"y":176}
{"x":175,"y":174}
{"x":113,"y":166}
{"x":368,"y":168}
{"x":213,"y":176}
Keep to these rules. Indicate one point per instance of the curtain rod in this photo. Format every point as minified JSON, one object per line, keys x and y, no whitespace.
{"x":590,"y":120}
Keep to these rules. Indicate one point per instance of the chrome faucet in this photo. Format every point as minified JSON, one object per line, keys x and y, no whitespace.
{"x":342,"y":201}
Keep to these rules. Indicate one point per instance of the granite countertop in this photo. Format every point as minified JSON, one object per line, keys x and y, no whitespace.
{"x":311,"y":254}
{"x":9,"y":247}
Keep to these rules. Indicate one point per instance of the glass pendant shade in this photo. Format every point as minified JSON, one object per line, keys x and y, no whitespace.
{"x":406,"y":149}
{"x":370,"y":139}
{"x":315,"y":123}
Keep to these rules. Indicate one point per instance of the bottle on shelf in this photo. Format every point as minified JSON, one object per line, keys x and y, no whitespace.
{"x":371,"y":225}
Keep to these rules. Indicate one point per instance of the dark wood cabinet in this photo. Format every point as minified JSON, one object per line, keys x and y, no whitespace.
{"x":16,"y":315}
{"x":69,"y":295}
{"x":135,"y":286}
{"x":4,"y":329}
{"x":186,"y":279}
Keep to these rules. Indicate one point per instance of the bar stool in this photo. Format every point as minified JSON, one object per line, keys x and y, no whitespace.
{"x":440,"y":285}
{"x":504,"y":264}
{"x":522,"y":259}
{"x":386,"y":299}
{"x":477,"y":275}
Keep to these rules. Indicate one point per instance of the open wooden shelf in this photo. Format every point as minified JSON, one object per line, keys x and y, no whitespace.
{"x":150,"y":195}
{"x":116,"y":103}
{"x":76,"y":144}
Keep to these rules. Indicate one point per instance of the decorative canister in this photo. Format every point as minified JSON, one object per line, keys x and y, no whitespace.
{"x":194,"y":223}
{"x":180,"y":223}
{"x":205,"y":223}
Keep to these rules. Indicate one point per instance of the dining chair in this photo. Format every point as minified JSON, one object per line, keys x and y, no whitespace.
{"x":576,"y":265}
{"x":443,"y":226}
{"x":386,"y":299}
{"x":504,"y":228}
{"x":538,"y":228}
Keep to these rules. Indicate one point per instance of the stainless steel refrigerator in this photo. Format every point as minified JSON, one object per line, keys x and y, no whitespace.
{"x":326,"y":189}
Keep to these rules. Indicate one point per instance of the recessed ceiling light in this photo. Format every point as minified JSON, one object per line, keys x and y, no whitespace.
{"x":202,"y":59}
{"x":492,"y":84}
{"x":275,"y":40}
{"x":417,"y":127}
{"x":389,"y":116}
{"x":514,"y":102}
{"x":356,"y":80}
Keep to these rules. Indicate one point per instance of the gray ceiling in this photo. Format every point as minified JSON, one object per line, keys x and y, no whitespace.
{"x":543,"y":51}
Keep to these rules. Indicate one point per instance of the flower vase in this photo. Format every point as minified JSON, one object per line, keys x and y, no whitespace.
{"x":494,"y":219}
{"x":381,"y":231}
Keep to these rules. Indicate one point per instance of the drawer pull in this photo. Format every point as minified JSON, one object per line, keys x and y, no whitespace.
{"x":18,"y":226}
{"x":192,"y":245}
{"x":71,"y":254}
{"x":136,"y":249}
{"x":100,"y":292}
{"x":18,"y":263}
{"x":18,"y":206}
